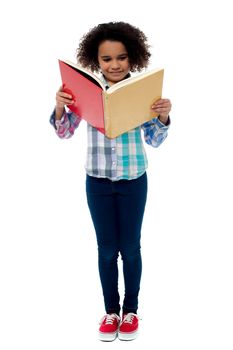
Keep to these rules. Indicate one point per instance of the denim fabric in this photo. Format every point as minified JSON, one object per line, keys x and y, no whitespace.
{"x":117,"y":209}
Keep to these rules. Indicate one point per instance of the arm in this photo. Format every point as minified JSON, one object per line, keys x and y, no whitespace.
{"x":64,"y":122}
{"x":65,"y":127}
{"x":155,"y":131}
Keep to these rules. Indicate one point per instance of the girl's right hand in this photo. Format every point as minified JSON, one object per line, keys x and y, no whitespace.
{"x":62,"y":99}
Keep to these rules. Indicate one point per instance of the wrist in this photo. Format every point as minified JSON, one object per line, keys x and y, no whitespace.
{"x":59,"y":112}
{"x":163,"y":119}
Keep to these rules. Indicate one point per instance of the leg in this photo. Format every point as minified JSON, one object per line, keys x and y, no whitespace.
{"x":102,"y":207}
{"x":131,"y":202}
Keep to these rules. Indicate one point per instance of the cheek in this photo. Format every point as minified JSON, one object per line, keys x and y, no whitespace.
{"x":126,"y":65}
{"x":103,"y":66}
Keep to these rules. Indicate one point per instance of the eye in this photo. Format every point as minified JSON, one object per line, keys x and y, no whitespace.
{"x":122,"y":58}
{"x":106,"y":59}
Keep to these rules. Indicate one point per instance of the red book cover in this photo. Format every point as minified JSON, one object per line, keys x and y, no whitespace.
{"x":87,"y":95}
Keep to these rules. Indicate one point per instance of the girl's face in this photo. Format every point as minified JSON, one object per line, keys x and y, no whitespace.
{"x":113,"y":60}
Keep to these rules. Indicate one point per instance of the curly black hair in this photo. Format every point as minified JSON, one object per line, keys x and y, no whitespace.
{"x":134,"y":40}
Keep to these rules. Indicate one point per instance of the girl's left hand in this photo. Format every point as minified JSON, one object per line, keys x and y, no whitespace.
{"x":163,"y":108}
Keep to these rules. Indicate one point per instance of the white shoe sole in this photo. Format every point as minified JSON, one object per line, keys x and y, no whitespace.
{"x":107,"y":336}
{"x":127,"y":336}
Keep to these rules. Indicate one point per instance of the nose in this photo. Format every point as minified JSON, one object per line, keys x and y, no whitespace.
{"x":115,"y":64}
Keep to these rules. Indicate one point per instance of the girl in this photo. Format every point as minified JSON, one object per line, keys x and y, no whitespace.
{"x":116,"y":180}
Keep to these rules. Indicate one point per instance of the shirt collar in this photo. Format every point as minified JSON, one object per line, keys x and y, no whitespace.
{"x":107,"y":84}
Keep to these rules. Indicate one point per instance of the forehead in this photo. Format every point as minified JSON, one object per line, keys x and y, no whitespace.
{"x":111,"y":48}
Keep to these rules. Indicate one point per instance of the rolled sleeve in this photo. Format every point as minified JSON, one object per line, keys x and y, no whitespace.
{"x":155,"y":132}
{"x":65,"y":127}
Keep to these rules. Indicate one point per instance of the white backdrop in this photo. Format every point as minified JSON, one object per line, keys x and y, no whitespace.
{"x":50,"y":296}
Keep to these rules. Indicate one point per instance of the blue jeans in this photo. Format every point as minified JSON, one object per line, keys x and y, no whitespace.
{"x":117,"y":209}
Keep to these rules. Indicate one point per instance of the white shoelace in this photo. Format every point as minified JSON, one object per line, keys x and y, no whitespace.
{"x":129,"y":317}
{"x":109,"y":318}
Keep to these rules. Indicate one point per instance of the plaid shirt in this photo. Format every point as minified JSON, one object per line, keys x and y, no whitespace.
{"x":123,"y":157}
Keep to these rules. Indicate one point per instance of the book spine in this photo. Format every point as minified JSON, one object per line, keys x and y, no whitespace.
{"x":107,"y":119}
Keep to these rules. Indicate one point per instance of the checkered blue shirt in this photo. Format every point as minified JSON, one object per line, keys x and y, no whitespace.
{"x":123,"y":157}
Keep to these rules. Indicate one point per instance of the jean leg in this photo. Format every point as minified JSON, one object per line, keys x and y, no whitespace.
{"x":131,"y":202}
{"x":102,"y":208}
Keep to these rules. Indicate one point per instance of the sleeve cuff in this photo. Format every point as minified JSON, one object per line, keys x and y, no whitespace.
{"x":162,"y":125}
{"x":55,"y":122}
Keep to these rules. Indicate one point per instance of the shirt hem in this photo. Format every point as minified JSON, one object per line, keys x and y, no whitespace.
{"x":118,"y":178}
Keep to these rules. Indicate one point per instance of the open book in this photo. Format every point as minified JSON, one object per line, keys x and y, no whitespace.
{"x":114,"y":110}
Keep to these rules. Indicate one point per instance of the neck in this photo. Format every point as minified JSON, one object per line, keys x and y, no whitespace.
{"x":128,"y":75}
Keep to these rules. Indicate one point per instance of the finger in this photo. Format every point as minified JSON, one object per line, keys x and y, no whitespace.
{"x":68,"y":102}
{"x":161,"y":110}
{"x":65,"y":101}
{"x":161,"y":102}
{"x":64,"y":95}
{"x":161,"y":106}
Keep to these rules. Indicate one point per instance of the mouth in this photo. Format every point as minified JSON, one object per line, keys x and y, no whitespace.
{"x":115,"y":73}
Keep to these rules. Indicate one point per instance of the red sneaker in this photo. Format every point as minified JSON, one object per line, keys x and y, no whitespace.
{"x":109,"y":327}
{"x":128,"y":329}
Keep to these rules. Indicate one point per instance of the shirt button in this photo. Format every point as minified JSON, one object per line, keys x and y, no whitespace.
{"x":113,"y":163}
{"x":113,"y":148}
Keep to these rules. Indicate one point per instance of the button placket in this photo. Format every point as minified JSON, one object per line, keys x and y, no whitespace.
{"x":114,"y":160}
